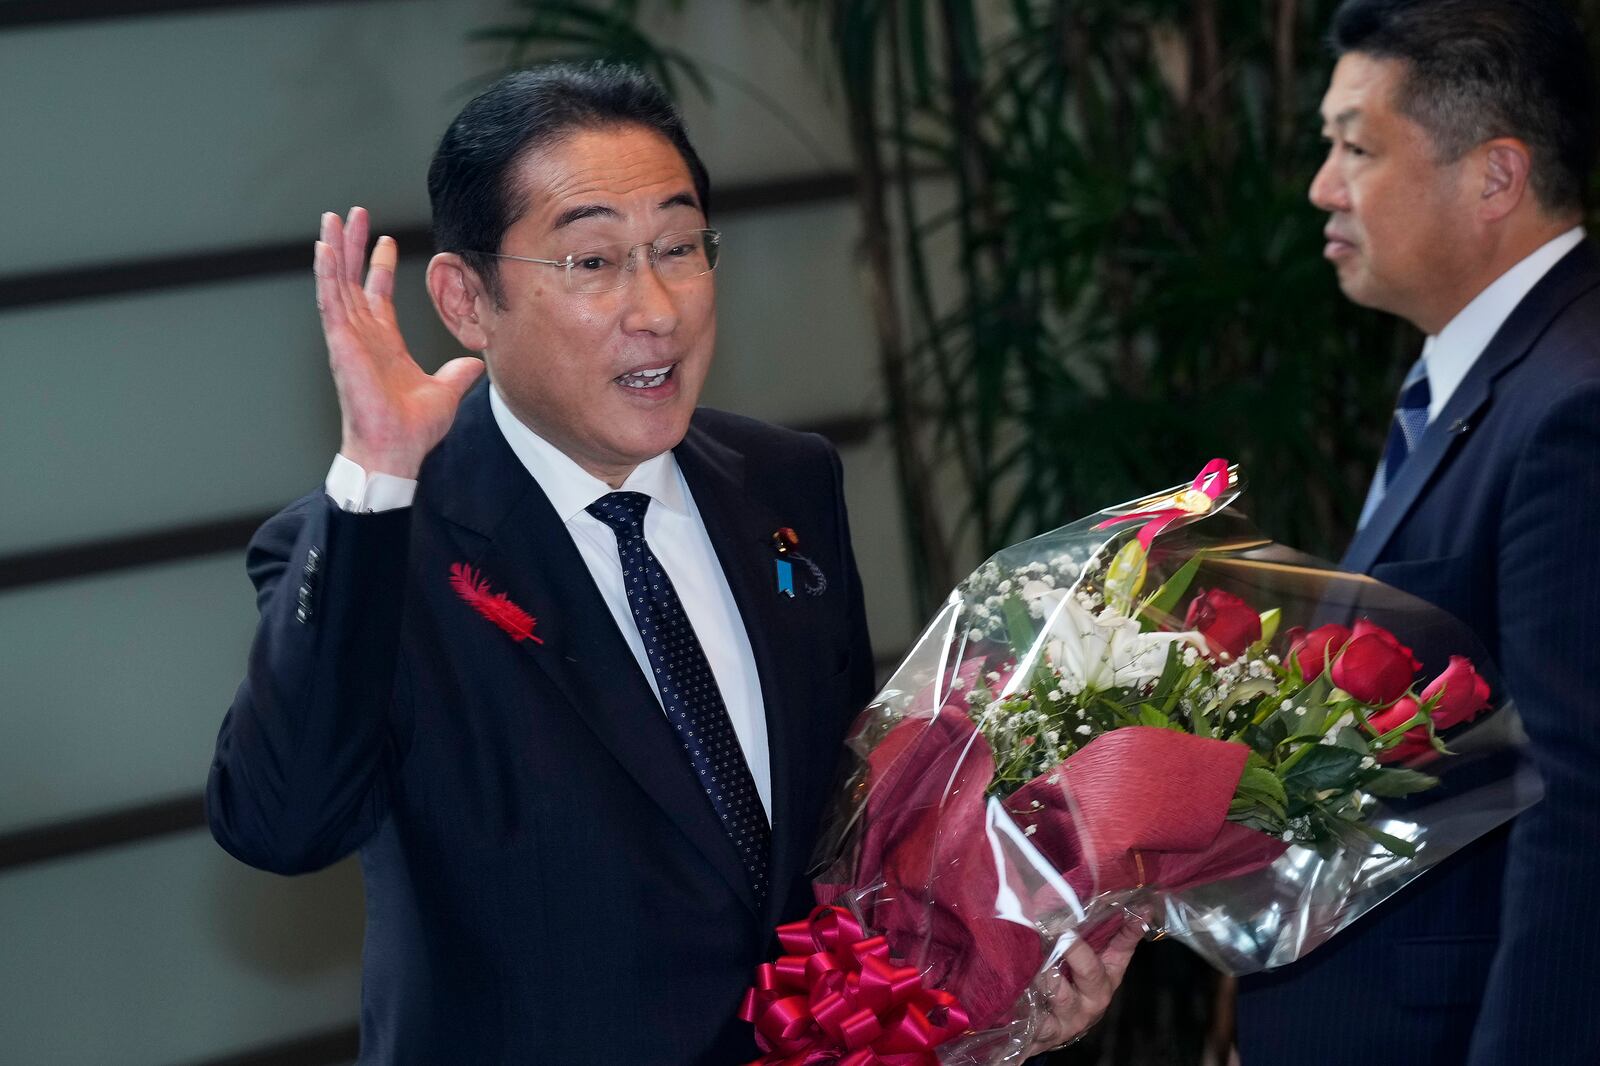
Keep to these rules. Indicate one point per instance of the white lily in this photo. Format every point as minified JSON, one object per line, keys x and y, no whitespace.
{"x":1098,"y":651}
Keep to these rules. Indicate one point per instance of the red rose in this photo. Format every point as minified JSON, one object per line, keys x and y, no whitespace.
{"x":1462,"y":694}
{"x":1374,"y":667}
{"x":1229,"y":624}
{"x":1412,"y":743}
{"x":1398,"y":715}
{"x":1313,"y":650}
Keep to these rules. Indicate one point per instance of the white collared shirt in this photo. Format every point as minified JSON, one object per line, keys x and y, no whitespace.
{"x":1451,"y":353}
{"x":676,"y":534}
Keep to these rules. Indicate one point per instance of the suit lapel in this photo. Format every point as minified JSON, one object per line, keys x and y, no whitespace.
{"x":530,"y":554}
{"x":1438,"y":441}
{"x":1576,"y":273}
{"x":740,"y":526}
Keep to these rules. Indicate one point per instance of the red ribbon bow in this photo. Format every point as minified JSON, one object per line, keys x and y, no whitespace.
{"x":836,"y":999}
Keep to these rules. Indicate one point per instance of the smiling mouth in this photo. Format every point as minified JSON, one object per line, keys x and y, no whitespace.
{"x":646,"y":379}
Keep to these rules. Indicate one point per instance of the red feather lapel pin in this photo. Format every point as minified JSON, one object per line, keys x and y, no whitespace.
{"x":495,"y":606}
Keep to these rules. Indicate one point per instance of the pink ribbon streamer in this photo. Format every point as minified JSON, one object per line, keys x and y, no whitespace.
{"x":1211,"y":482}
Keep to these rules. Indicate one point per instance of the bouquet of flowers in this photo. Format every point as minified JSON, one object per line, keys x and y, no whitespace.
{"x":1152,"y":707}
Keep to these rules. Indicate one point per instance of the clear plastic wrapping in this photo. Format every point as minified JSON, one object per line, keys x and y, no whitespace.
{"x":1151,"y":710}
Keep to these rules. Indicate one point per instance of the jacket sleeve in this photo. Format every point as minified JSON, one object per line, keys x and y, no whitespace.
{"x":1541,"y":982}
{"x":308,"y":749}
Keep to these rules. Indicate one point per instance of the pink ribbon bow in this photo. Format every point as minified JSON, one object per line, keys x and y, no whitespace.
{"x":1197,"y":499}
{"x":837,"y":999}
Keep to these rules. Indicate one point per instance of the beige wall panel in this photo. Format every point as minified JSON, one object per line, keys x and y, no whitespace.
{"x":171,"y":952}
{"x":138,"y":137}
{"x":873,"y":495}
{"x":114,"y":686}
{"x":144,"y":412}
{"x":149,"y":411}
{"x":794,"y":336}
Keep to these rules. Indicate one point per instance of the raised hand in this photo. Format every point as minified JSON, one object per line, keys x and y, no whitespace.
{"x":391,"y":411}
{"x":1084,"y":985}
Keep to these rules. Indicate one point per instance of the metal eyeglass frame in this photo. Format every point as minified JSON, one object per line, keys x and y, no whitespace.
{"x":713,"y":238}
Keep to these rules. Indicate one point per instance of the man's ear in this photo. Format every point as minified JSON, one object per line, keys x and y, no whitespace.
{"x":1507,"y":166}
{"x":458,"y":295}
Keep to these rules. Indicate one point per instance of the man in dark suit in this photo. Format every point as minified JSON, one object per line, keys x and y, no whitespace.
{"x":1461,"y":141}
{"x":568,"y":661}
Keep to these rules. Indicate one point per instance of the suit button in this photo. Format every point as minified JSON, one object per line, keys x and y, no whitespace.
{"x":313,"y":561}
{"x":305,"y":596}
{"x":302,"y":615}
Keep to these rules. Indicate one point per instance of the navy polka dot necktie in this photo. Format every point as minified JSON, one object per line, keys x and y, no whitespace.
{"x":688,"y":689}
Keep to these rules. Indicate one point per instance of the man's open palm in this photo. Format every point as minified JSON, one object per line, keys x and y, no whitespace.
{"x":392,"y":411}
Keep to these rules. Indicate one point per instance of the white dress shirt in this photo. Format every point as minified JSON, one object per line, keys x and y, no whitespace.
{"x":676,"y":534}
{"x":1451,"y":353}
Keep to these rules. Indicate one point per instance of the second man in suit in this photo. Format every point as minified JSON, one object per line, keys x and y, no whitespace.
{"x":1461,"y":136}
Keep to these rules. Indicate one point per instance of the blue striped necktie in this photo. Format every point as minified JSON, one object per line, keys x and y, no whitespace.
{"x":1410,"y":419}
{"x":688,"y":688}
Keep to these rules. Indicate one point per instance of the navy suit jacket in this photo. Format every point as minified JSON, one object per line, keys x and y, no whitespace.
{"x":1492,"y":959}
{"x":546,"y":881}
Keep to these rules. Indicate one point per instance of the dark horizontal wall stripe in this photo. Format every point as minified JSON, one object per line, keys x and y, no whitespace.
{"x":173,"y":271}
{"x":232,"y":534}
{"x":205,"y":266}
{"x":105,"y":830}
{"x":317,"y":1049}
{"x":120,"y":553}
{"x":17,"y":13}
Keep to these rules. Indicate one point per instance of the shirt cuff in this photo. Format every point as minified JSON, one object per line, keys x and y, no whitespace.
{"x":353,"y":489}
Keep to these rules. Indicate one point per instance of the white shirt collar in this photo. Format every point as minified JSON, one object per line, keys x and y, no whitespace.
{"x":1452,"y":352}
{"x":569,"y":486}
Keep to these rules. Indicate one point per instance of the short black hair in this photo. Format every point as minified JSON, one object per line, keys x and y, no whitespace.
{"x":1479,"y":69}
{"x":470,"y":182}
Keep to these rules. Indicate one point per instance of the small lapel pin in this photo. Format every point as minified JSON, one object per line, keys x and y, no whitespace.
{"x":1460,"y":426}
{"x":784,"y":542}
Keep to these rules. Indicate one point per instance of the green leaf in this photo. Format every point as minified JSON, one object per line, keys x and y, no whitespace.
{"x":1148,"y":715}
{"x":1019,"y":626}
{"x":1171,"y":672}
{"x":1255,"y":818}
{"x":1396,"y":781}
{"x":1258,"y":780}
{"x":1321,"y":766}
{"x":1266,"y":737}
{"x":1292,"y":720}
{"x":1352,"y":738}
{"x":1393,"y":844}
{"x":1164,"y":600}
{"x":1259,"y":796}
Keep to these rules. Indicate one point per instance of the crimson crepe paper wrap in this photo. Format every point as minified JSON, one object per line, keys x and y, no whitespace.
{"x":925,"y":838}
{"x":1141,"y":807}
{"x":1136,"y":808}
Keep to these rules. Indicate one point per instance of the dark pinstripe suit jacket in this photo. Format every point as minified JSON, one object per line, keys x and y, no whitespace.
{"x":545,"y":880}
{"x":1493,"y":959}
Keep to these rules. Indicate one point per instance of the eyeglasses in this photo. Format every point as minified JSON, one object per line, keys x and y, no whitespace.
{"x":675,"y":257}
